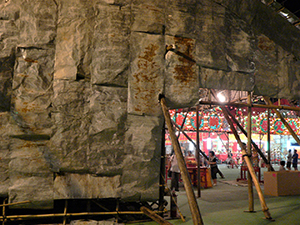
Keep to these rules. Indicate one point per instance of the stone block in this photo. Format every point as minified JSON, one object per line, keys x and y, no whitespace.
{"x":111,"y":53}
{"x":86,"y":186}
{"x":210,"y":48}
{"x":37,"y":190}
{"x":146,"y":80}
{"x":108,"y":108}
{"x":148,"y":16}
{"x":182,"y":73}
{"x":75,"y":27}
{"x":219,"y":79}
{"x":140,"y":176}
{"x":181,"y":18}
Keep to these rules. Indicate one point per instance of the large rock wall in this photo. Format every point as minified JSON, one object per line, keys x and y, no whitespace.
{"x":79,"y":85}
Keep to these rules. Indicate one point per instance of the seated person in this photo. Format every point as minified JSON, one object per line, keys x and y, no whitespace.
{"x":282,"y":164}
{"x":190,"y":159}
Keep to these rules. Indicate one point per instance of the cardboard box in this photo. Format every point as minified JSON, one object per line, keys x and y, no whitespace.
{"x":278,"y":183}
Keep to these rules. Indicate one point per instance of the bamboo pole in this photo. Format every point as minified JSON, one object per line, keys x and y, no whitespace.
{"x":240,"y":104}
{"x":249,"y":152}
{"x":268,"y":101}
{"x":154,"y":216}
{"x":269,"y":139}
{"x":65,"y":212}
{"x":37,"y":216}
{"x":3,"y":212}
{"x":15,"y":203}
{"x":181,"y":216}
{"x":197,"y":219}
{"x":183,"y":132}
{"x":265,"y":209}
{"x":198,"y":154}
{"x":182,"y":124}
{"x":253,"y":143}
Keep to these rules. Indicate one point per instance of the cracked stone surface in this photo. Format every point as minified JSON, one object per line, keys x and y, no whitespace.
{"x":79,"y":86}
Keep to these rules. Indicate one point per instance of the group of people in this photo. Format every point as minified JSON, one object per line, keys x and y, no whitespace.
{"x":292,"y":160}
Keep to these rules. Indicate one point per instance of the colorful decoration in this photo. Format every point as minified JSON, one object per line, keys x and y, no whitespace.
{"x":263,"y":124}
{"x":213,"y":120}
{"x":279,"y":126}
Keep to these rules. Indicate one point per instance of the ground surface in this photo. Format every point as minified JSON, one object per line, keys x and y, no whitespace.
{"x":225,"y":204}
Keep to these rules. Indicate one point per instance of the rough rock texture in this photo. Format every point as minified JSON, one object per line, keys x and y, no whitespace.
{"x":79,"y":86}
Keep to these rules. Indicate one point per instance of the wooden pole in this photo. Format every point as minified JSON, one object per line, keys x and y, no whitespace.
{"x":162,"y":169}
{"x":65,"y":212}
{"x":268,"y":101}
{"x":253,"y":143}
{"x":198,"y":154}
{"x":154,"y":216}
{"x":183,"y":122}
{"x":174,"y":200}
{"x":265,"y":209}
{"x":3,"y":212}
{"x":37,"y":216}
{"x":197,"y":219}
{"x":15,"y":203}
{"x":269,"y":139}
{"x":249,"y":152}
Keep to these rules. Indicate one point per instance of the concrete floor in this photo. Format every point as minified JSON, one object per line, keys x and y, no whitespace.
{"x":225,"y":204}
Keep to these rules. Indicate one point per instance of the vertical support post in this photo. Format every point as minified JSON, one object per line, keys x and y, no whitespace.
{"x":263,"y":204}
{"x":3,"y":212}
{"x":197,"y":219}
{"x":65,"y":212}
{"x":249,"y":152}
{"x":162,"y":170}
{"x":198,"y":153}
{"x":269,"y":140}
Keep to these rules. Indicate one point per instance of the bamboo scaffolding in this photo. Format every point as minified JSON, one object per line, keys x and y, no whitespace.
{"x":240,"y":104}
{"x":268,"y":101}
{"x":15,"y":203}
{"x":269,"y":139}
{"x":65,"y":212}
{"x":37,"y":216}
{"x":249,"y":177}
{"x":253,"y":143}
{"x":265,"y":209}
{"x":183,"y":132}
{"x":154,"y":216}
{"x":197,"y":219}
{"x":182,"y":124}
{"x":181,"y":216}
{"x":198,"y":154}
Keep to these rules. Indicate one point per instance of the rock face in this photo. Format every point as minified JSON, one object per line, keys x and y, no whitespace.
{"x":79,"y":86}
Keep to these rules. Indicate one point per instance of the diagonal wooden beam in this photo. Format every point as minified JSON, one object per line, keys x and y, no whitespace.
{"x":253,"y":143}
{"x":197,"y":219}
{"x":187,"y":136}
{"x":268,"y":101}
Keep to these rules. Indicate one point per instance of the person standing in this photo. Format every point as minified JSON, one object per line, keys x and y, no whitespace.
{"x":295,"y":160}
{"x":213,"y":167}
{"x":289,"y":160}
{"x":174,"y":168}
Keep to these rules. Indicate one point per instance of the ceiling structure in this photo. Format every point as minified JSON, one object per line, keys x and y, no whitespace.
{"x":289,"y":9}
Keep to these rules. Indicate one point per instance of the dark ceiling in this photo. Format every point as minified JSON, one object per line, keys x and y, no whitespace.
{"x":292,"y":5}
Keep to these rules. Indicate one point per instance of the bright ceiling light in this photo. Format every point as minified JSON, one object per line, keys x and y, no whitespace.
{"x":221,"y":97}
